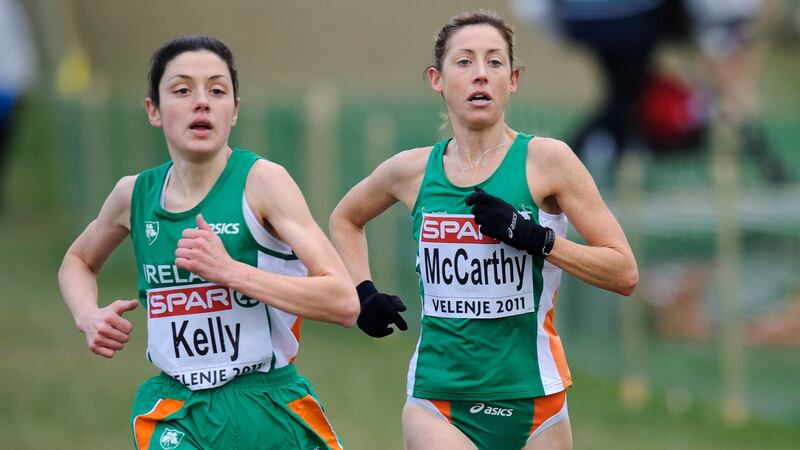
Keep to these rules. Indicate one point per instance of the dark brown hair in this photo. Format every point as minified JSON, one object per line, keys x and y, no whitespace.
{"x":175,"y":47}
{"x":472,"y":17}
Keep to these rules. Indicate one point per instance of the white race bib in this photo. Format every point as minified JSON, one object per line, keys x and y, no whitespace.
{"x":468,"y":275}
{"x":204,"y":335}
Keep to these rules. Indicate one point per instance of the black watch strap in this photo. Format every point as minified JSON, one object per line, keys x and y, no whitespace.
{"x":549,"y":240}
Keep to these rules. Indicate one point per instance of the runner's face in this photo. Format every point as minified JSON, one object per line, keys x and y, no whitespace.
{"x":476,"y":77}
{"x":197,"y":108}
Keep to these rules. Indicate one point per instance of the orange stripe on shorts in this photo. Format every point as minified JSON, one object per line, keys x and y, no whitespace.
{"x":546,"y":407}
{"x":444,"y":407}
{"x":309,"y":410}
{"x":144,"y":425}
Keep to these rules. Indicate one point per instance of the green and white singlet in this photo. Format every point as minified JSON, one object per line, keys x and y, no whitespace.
{"x":201,"y":333}
{"x":487,"y":308}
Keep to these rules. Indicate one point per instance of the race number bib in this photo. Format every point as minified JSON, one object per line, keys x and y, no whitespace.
{"x":204,"y":335}
{"x":468,"y":275}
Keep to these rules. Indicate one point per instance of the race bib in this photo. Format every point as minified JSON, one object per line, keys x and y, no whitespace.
{"x":203,"y":335}
{"x":468,"y":275}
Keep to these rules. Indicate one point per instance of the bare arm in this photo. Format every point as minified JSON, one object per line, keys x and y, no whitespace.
{"x":326,"y":294}
{"x":606,"y":261}
{"x":396,"y":179}
{"x":105,"y":328}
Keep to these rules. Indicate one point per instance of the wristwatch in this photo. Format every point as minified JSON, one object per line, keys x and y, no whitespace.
{"x":549,"y":240}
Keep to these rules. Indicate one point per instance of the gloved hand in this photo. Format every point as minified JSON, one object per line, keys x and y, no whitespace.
{"x":500,"y":220}
{"x":378,"y":311}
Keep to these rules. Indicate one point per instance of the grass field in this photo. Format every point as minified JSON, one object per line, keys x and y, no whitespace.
{"x":57,"y":395}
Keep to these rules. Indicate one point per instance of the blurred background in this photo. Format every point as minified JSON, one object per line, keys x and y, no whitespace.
{"x":691,"y":131}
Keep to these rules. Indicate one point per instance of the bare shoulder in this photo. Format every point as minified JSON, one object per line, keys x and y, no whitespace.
{"x":553,"y":170}
{"x":269,"y":188}
{"x":116,"y":210}
{"x":125,"y":185}
{"x":549,"y":151}
{"x":267,"y":173}
{"x":122,"y":193}
{"x":401,"y":175}
{"x":553,"y":160}
{"x":405,"y":165}
{"x":271,"y":191}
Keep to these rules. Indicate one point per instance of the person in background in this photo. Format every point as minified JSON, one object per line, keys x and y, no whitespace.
{"x":17,"y":75}
{"x":644,"y":109}
{"x":725,"y":33}
{"x":621,"y":36}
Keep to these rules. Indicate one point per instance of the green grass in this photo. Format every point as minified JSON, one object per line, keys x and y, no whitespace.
{"x":57,"y":395}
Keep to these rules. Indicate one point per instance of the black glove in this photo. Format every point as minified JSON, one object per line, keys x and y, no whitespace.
{"x":378,"y":311}
{"x":501,"y":221}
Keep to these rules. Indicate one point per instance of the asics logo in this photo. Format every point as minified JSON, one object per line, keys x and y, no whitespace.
{"x":512,"y":226}
{"x":224,"y":228}
{"x":491,"y":410}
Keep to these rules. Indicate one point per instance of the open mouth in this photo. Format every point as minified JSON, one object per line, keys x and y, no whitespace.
{"x":479,"y":98}
{"x":201,"y":125}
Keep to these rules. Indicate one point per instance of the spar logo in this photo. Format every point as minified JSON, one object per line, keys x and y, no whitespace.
{"x":453,"y":229}
{"x":191,"y":299}
{"x":491,"y":410}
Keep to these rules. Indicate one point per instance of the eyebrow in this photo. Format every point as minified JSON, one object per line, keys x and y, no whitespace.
{"x":469,"y":50}
{"x":189,"y":78}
